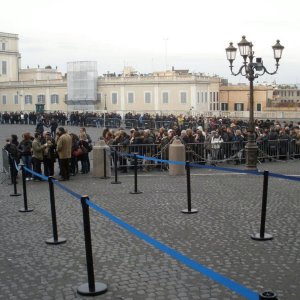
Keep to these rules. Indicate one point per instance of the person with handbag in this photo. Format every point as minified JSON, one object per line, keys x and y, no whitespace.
{"x":49,"y":155}
{"x":64,"y":148}
{"x":84,"y":157}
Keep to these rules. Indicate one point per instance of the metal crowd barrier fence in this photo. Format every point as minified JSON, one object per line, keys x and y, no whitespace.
{"x":152,"y":150}
{"x":207,"y":153}
{"x":5,"y":161}
{"x":147,"y":124}
{"x":99,"y":122}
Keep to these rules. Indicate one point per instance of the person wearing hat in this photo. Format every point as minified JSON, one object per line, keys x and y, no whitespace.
{"x":64,"y":150}
{"x":49,"y":154}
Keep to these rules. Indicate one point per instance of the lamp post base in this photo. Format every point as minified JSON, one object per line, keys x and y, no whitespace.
{"x":251,"y":153}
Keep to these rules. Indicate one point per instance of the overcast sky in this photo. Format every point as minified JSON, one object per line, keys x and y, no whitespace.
{"x":155,"y":34}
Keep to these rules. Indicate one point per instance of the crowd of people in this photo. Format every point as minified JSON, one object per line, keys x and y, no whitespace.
{"x":42,"y":148}
{"x":215,"y":140}
{"x":207,"y":140}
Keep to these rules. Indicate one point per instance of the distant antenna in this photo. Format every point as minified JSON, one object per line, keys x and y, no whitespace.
{"x":166,"y":52}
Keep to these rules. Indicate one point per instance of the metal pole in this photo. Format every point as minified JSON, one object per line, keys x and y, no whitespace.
{"x":14,"y":180}
{"x":135,"y":176}
{"x":25,"y":209}
{"x":55,"y":240}
{"x":189,"y":210}
{"x":115,"y":168}
{"x":268,"y":295}
{"x":251,"y":147}
{"x":104,"y":164}
{"x":262,"y":236}
{"x":91,"y":288}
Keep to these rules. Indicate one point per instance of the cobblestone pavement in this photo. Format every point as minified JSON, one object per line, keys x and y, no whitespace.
{"x":218,"y":236}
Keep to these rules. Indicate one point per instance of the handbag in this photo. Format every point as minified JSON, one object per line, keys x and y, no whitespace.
{"x":77,"y":152}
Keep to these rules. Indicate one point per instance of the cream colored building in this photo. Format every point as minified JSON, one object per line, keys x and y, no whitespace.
{"x":81,"y":89}
{"x":174,"y":91}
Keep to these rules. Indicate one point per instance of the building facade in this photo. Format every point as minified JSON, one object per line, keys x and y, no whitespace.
{"x":81,"y":89}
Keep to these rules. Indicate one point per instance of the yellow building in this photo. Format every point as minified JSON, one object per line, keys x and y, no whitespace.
{"x":30,"y":89}
{"x":236,"y":97}
{"x":81,"y":89}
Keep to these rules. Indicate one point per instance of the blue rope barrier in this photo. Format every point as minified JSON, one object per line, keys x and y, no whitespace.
{"x":43,"y":177}
{"x":252,"y":172}
{"x":287,"y":177}
{"x":18,"y":168}
{"x":228,"y":283}
{"x":56,"y":182}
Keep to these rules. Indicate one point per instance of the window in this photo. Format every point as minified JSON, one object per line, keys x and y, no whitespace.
{"x":41,"y":99}
{"x":16,"y":99}
{"x":130,"y":97}
{"x":224,"y":106}
{"x":54,"y":99}
{"x":198,"y":97}
{"x":206,"y":97}
{"x":28,"y":99}
{"x":99,"y":97}
{"x":258,"y":106}
{"x":298,"y":93}
{"x":3,"y":46}
{"x":66,"y":97}
{"x":3,"y":68}
{"x":114,"y":98}
{"x":183,"y":97}
{"x":210,"y":96}
{"x":3,"y":99}
{"x":147,"y":97}
{"x":239,"y":106}
{"x":165,"y":97}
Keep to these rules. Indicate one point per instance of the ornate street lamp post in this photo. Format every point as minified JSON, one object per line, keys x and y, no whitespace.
{"x":251,"y":70}
{"x":105,"y":109}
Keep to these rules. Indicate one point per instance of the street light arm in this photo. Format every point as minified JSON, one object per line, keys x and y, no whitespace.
{"x":271,"y":73}
{"x":266,"y":71}
{"x":239,"y":72}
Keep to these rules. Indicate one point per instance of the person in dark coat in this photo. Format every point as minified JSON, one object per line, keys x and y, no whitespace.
{"x":25,"y":152}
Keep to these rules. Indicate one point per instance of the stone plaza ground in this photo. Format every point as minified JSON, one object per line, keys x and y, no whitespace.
{"x":217,"y":237}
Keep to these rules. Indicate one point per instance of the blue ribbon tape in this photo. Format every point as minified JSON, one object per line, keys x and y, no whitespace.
{"x":37,"y":174}
{"x":252,"y":172}
{"x":281,"y":176}
{"x":228,"y":283}
{"x":56,"y":182}
{"x":16,"y":166}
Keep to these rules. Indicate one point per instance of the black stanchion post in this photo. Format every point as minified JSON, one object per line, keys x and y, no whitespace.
{"x":116,"y":168}
{"x":91,"y":288}
{"x":104,"y":164}
{"x":14,"y":180}
{"x":268,"y":295}
{"x":136,"y":191}
{"x":11,"y":174}
{"x":25,"y":209}
{"x":189,"y":210}
{"x":55,"y":240}
{"x":262,"y":236}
